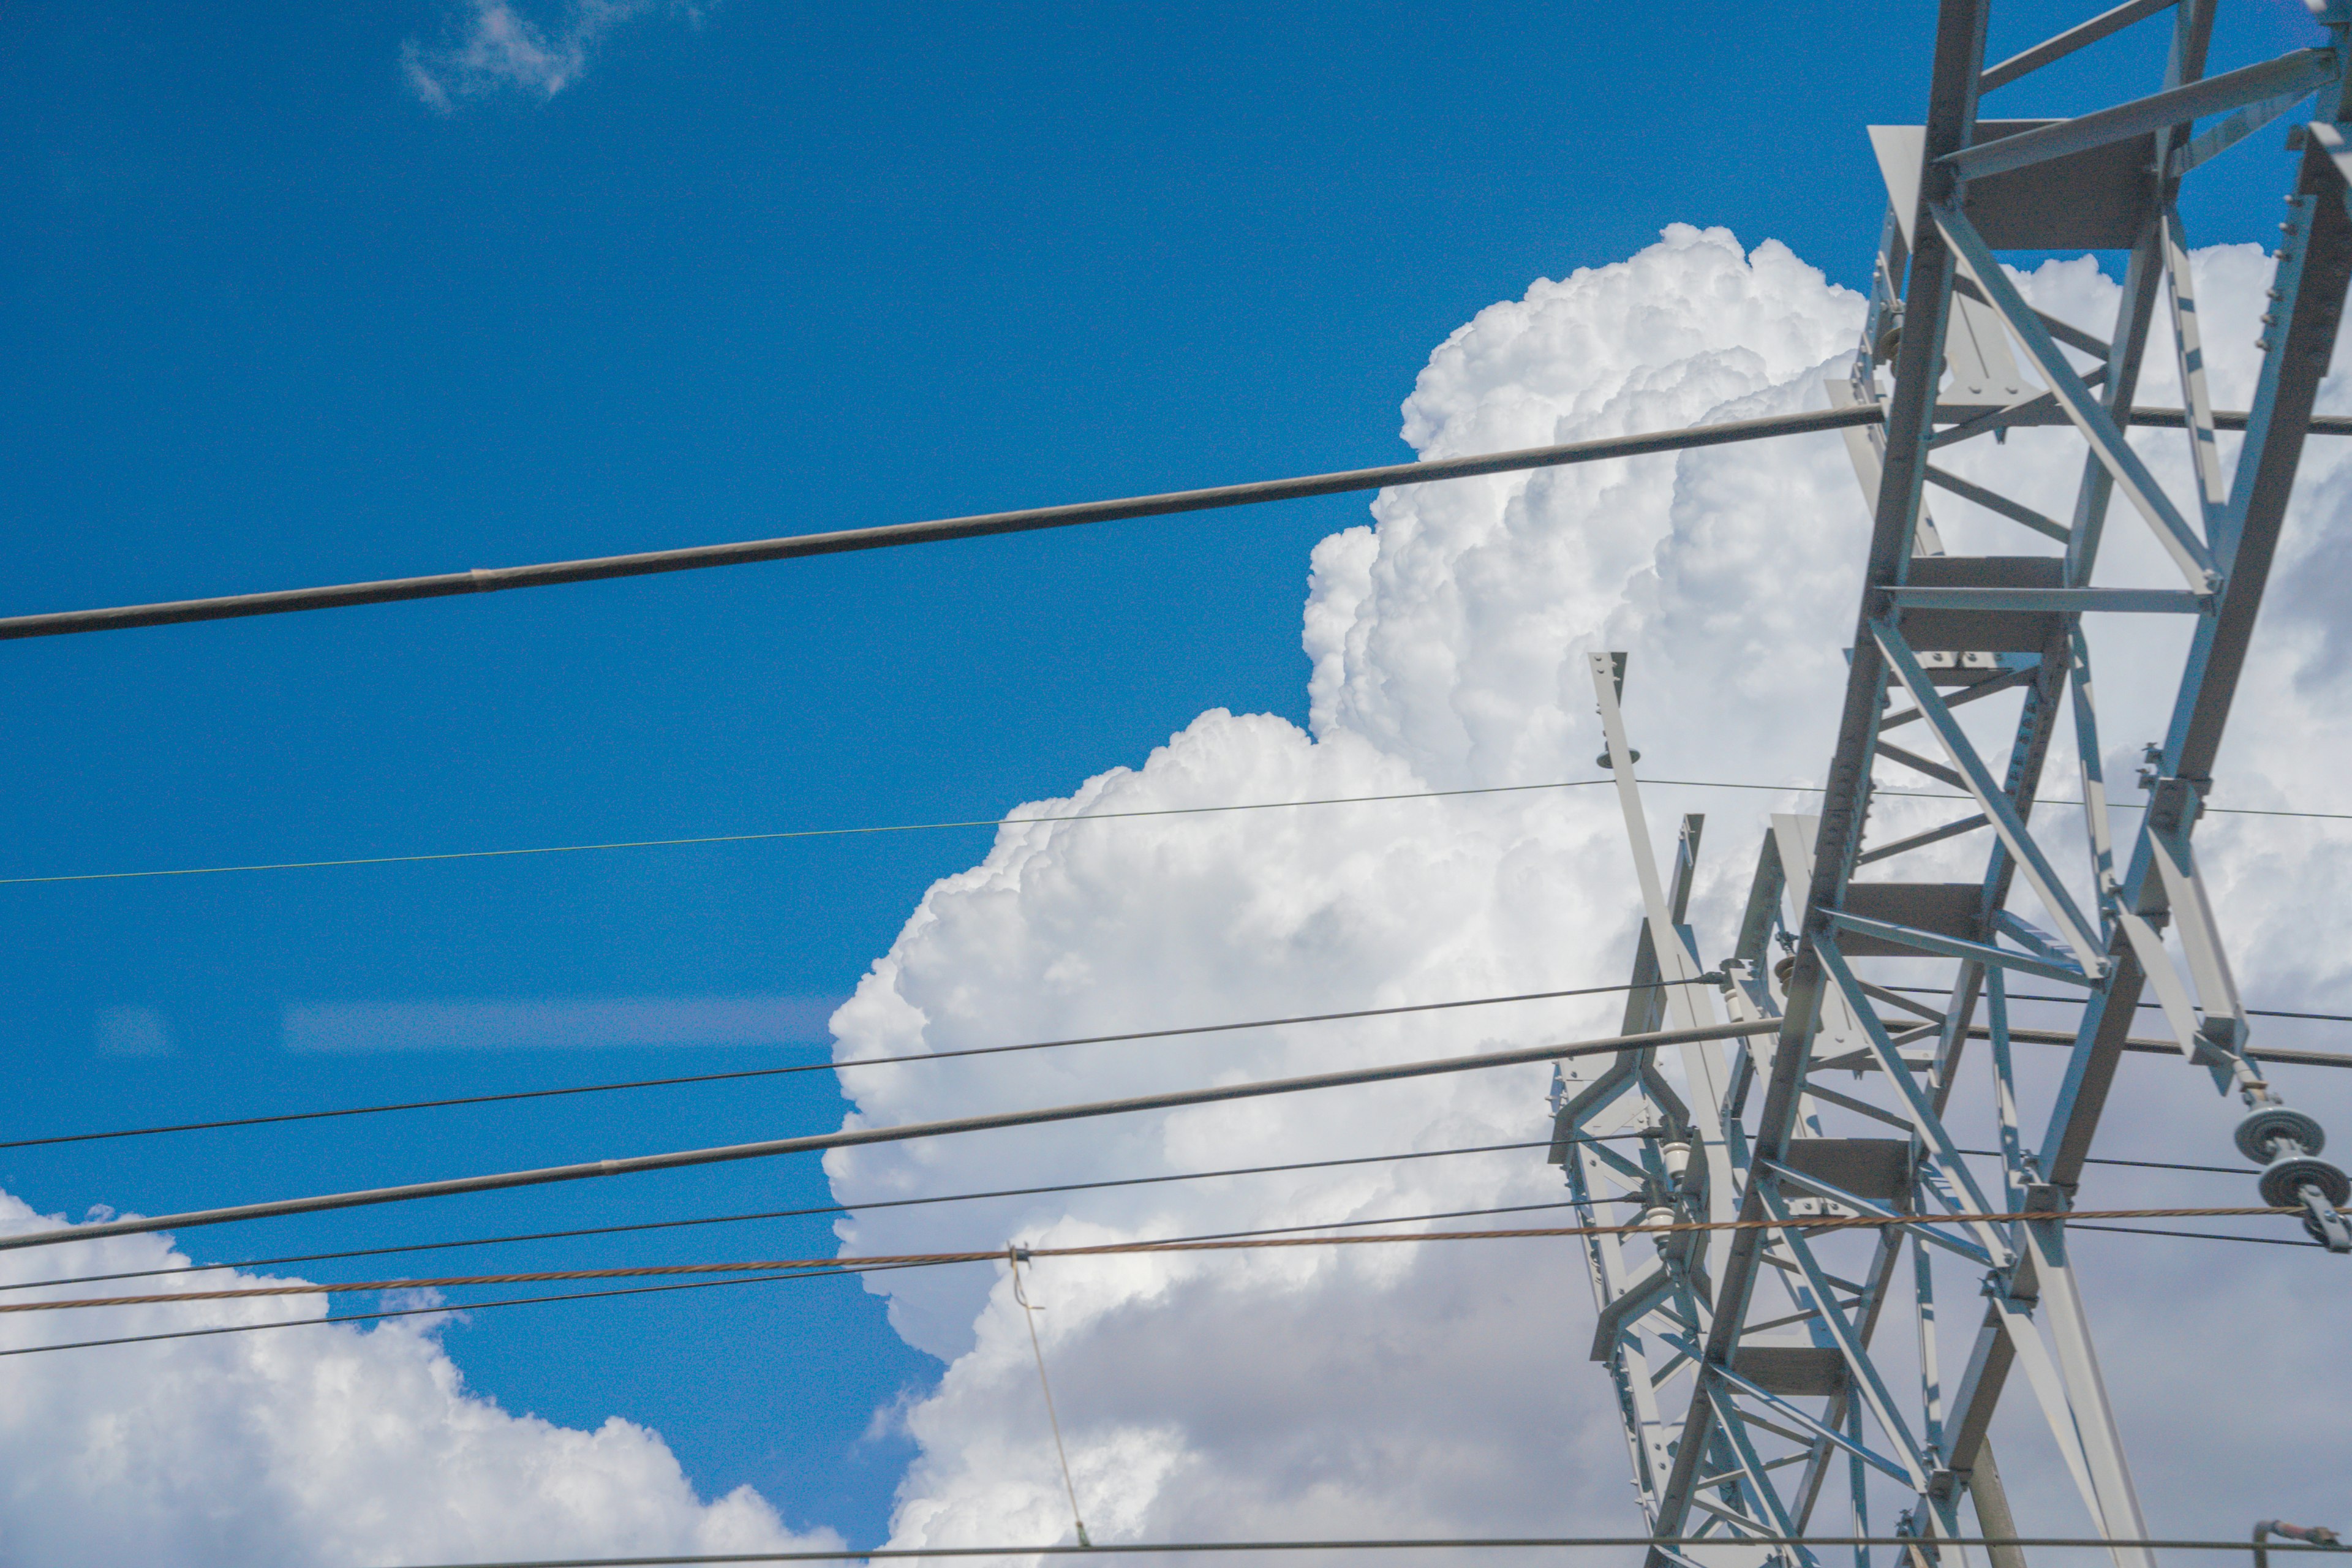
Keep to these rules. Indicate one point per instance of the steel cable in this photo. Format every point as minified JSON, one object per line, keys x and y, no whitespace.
{"x":1000,"y":822}
{"x":2077,"y":1001}
{"x":812,"y":1210}
{"x":819,"y":1066}
{"x":1052,"y":1188}
{"x":446,"y":1309}
{"x":1231,"y":1242}
{"x":1506,"y":1542}
{"x":2308,"y":1059}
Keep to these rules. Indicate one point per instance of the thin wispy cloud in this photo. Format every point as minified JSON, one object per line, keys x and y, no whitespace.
{"x":556,"y":1023}
{"x":492,"y":46}
{"x":132,"y":1032}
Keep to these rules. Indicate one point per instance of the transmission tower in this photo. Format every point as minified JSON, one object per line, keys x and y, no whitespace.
{"x":1747,"y":1360}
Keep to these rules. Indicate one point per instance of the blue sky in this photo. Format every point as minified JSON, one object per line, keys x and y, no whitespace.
{"x":270,"y":320}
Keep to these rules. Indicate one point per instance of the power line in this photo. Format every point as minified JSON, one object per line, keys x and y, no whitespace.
{"x":796,"y":833}
{"x":2149,"y":1165}
{"x":2077,"y":1001}
{"x":449,"y":1102}
{"x":799,"y":1213}
{"x":2196,"y":1235}
{"x":1000,"y":822}
{"x":848,"y":1137}
{"x":1231,"y":1241}
{"x":798,"y":546}
{"x":1054,"y":1188}
{"x":826,"y":1273}
{"x":412,"y":1312}
{"x":2038,"y":800}
{"x":821,"y":1067}
{"x":649,"y":563}
{"x":1506,"y":1542}
{"x":2282,"y":1054}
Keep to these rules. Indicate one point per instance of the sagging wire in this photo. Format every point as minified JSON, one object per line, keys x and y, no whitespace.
{"x":1029,"y":1310}
{"x":826,"y":1268}
{"x":1230,"y":1241}
{"x":830,"y":1065}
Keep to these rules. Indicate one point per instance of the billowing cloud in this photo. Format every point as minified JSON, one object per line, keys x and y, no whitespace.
{"x":1445,"y":1390}
{"x":308,"y":1446}
{"x":493,"y":46}
{"x":1380,"y":1389}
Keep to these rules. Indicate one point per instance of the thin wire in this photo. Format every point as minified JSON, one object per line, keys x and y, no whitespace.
{"x":1029,"y":1316}
{"x":2150,"y":1164}
{"x":740,"y":1073}
{"x":2077,"y":1001}
{"x":545,"y":1277}
{"x":2195,"y":1234}
{"x":416,"y":1312}
{"x":1021,"y":821}
{"x":821,"y":1067}
{"x":796,"y":1214}
{"x":826,"y":1273}
{"x":796,"y":833}
{"x":2038,"y":800}
{"x":1231,"y":1241}
{"x":973,"y":1197}
{"x":1553,"y":1051}
{"x":1508,"y":1542}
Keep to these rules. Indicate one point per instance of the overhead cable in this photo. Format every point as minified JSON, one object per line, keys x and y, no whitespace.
{"x":813,"y":1266}
{"x":2078,"y":1001}
{"x":645,"y":564}
{"x":435,"y":1310}
{"x":1951,"y":795}
{"x":773,"y":1147}
{"x":849,"y":1137}
{"x":783,"y":1214}
{"x":1055,"y":1188}
{"x":998,"y":822}
{"x":796,"y":546}
{"x":1233,"y":1242}
{"x":1498,"y":1543}
{"x":1001,"y":822}
{"x":2197,"y":1235}
{"x":469,"y":1307}
{"x":2032,"y":1037}
{"x":825,"y":1066}
{"x":2287,"y":1053}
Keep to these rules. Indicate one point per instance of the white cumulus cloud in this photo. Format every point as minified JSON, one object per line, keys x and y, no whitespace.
{"x":312,"y":1446}
{"x":1368,"y":1391}
{"x":1445,"y":1389}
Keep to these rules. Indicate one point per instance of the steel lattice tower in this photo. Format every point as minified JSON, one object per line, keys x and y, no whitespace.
{"x":1743,"y":1358}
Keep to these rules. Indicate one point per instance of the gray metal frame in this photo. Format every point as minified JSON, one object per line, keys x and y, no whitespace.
{"x":1743,"y":1365}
